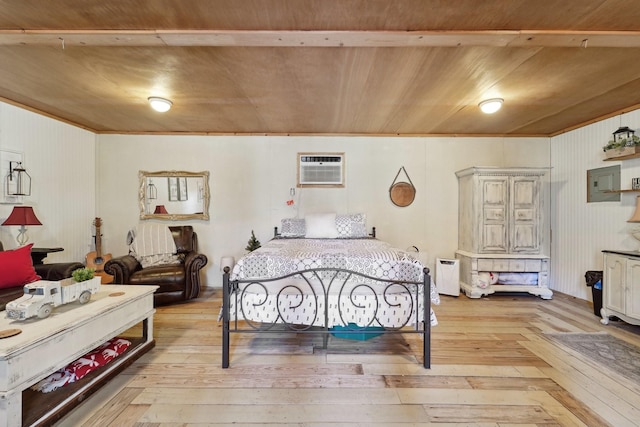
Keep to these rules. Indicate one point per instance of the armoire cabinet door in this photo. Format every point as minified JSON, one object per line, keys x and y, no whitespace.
{"x":500,"y":210}
{"x":494,"y":214}
{"x":525,"y":206}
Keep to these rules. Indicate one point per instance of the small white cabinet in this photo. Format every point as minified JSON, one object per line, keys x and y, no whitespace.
{"x":501,"y":228}
{"x":621,"y":286}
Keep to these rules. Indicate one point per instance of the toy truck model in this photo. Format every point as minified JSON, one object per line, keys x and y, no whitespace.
{"x":42,"y":296}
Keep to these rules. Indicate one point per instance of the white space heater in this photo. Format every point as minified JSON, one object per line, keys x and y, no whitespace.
{"x":448,"y":276}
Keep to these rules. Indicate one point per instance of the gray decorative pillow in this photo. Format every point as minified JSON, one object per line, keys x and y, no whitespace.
{"x":293,"y":227}
{"x":351,"y":226}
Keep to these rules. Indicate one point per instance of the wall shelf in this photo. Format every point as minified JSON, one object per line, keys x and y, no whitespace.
{"x":627,"y":157}
{"x":622,"y":191}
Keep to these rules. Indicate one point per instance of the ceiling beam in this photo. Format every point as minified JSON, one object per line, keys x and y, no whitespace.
{"x":506,"y":38}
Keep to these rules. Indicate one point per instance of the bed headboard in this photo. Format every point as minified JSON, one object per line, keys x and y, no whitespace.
{"x":277,"y":235}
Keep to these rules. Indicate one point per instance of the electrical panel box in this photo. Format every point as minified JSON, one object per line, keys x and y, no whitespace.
{"x":601,"y":182}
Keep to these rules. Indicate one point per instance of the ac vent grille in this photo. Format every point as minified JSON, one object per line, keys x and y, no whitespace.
{"x":320,"y":169}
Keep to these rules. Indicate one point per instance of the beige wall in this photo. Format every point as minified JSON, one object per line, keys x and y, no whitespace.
{"x":61,"y":161}
{"x":78,"y":176}
{"x":582,"y":230}
{"x":251,"y":177}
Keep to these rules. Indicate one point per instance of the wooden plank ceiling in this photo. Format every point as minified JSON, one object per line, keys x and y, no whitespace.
{"x":374,"y":67}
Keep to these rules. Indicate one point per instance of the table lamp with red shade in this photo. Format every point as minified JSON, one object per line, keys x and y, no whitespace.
{"x":160,"y":209}
{"x":22,"y":216}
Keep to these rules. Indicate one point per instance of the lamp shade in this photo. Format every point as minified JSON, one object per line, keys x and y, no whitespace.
{"x":636,"y":215}
{"x":22,"y":215}
{"x":160,"y":209}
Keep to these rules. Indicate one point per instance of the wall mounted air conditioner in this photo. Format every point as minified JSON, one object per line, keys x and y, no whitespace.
{"x":321,"y":169}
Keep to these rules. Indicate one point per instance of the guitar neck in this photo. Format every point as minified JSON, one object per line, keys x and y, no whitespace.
{"x":98,"y":242}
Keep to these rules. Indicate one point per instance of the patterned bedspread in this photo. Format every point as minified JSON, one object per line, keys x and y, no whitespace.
{"x":372,"y":257}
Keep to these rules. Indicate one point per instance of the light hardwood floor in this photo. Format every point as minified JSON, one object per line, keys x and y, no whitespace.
{"x":492,"y":365}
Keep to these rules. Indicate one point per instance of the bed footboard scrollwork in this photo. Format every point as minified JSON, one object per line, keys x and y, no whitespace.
{"x":317,"y":300}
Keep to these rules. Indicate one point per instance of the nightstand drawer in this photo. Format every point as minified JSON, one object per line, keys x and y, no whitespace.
{"x":533,"y":265}
{"x":500,"y":265}
{"x":517,"y":265}
{"x":512,"y":265}
{"x":485,"y":264}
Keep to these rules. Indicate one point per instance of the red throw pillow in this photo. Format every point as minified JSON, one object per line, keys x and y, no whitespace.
{"x":80,"y":367}
{"x":98,"y":357}
{"x":16,"y":267}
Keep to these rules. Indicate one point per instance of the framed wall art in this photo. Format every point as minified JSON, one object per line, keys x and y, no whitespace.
{"x":173,"y":188}
{"x":182,"y":189}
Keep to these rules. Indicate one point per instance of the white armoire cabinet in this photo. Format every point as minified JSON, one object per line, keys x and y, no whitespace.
{"x":500,"y":231}
{"x":621,"y":286}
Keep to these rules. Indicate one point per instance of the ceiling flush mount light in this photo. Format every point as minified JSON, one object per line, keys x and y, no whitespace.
{"x":490,"y":106}
{"x":160,"y":104}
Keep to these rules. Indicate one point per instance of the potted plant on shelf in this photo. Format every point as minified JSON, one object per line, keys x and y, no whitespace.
{"x":624,"y":143}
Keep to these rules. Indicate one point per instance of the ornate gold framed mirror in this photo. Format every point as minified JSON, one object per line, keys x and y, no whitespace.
{"x":173,"y":195}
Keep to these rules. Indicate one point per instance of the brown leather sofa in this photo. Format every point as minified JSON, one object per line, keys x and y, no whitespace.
{"x":53,"y":271}
{"x":176,"y":282}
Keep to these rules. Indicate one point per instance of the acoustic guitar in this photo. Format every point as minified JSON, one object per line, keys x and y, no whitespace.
{"x":96,"y":259}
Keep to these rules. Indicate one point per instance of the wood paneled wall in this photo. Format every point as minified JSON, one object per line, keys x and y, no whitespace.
{"x":582,"y":230}
{"x":61,"y":161}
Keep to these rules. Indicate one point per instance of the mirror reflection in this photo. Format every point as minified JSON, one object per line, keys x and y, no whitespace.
{"x":174,"y":195}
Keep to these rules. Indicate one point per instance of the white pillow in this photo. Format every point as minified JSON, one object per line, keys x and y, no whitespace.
{"x":321,"y":226}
